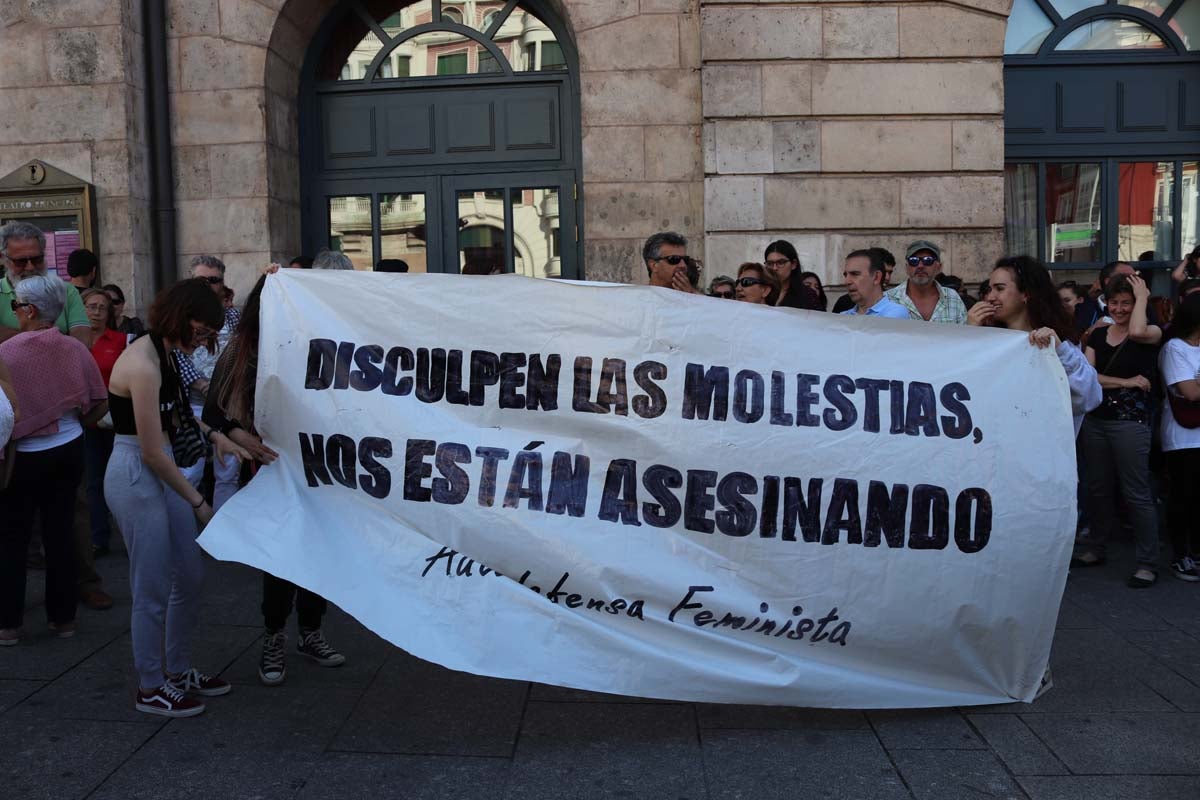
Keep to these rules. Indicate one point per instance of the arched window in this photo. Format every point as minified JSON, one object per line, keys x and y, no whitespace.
{"x":429,"y":127}
{"x":1102,"y":130}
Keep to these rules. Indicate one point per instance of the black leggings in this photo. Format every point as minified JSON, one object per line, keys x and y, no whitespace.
{"x":277,"y":598}
{"x":1183,"y":513}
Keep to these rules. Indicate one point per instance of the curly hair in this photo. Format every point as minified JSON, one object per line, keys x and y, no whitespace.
{"x":1043,"y":303}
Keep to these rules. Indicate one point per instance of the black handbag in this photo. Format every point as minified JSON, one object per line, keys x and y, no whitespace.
{"x":187,"y":442}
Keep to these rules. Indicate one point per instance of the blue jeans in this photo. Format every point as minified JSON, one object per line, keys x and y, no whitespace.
{"x":98,"y":446}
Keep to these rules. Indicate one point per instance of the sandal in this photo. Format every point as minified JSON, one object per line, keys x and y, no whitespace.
{"x":1136,"y":582}
{"x":1087,"y":560}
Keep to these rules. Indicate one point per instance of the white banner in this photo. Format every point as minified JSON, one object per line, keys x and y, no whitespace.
{"x":644,"y":492}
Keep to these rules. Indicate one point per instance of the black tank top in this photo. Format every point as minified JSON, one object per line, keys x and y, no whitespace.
{"x":121,"y":408}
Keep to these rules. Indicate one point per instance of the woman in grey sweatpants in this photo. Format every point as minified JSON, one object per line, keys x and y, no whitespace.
{"x":155,"y":505}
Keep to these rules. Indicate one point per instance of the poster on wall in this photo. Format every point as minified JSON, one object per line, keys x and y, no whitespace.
{"x":638,"y":491}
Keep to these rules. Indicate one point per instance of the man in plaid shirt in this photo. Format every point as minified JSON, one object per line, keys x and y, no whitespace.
{"x":922,"y":296}
{"x":196,"y":371}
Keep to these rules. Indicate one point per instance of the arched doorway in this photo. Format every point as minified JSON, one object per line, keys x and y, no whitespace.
{"x":444,"y":133}
{"x":1102,"y":130}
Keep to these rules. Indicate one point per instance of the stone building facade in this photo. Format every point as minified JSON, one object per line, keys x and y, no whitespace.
{"x":832,"y":124}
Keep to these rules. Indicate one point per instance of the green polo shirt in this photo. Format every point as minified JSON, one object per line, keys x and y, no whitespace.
{"x":72,"y":316}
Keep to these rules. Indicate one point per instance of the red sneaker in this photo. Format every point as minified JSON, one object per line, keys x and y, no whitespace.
{"x":167,"y":701}
{"x":196,"y":682}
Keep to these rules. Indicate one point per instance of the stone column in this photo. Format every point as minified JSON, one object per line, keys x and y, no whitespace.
{"x":839,"y":126}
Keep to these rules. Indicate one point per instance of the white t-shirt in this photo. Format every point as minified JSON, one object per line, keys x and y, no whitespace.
{"x":1178,"y":361}
{"x":69,"y":429}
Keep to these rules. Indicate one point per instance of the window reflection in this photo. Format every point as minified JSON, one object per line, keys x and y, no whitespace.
{"x":1155,"y":7}
{"x":1111,"y":34}
{"x":523,"y":40}
{"x":1186,"y":23}
{"x":1066,"y":8}
{"x":402,"y":229}
{"x":1144,"y":208}
{"x":1020,"y":209}
{"x":536,"y":232}
{"x":1073,"y":205}
{"x":1189,"y":218}
{"x":350,"y":229}
{"x":1028,"y":27}
{"x":481,"y":232}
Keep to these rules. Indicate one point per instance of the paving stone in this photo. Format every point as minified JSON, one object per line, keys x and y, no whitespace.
{"x":923,"y":729}
{"x":13,"y":692}
{"x":57,"y":758}
{"x":420,"y":708}
{"x":789,"y":764}
{"x":1178,"y":650}
{"x":562,"y":694}
{"x":340,"y":775}
{"x":955,"y":774}
{"x":206,"y":771}
{"x":40,"y":656}
{"x":1016,"y":745}
{"x":607,"y":751}
{"x":1146,"y":743}
{"x":1089,"y":787}
{"x":1072,"y":616}
{"x":721,"y":716}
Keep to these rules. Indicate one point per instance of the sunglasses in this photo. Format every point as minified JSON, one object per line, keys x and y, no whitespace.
{"x":746,"y":283}
{"x":14,"y":305}
{"x":28,"y":261}
{"x":723,"y":295}
{"x":674,"y":261}
{"x":213,"y":279}
{"x":928,"y":261}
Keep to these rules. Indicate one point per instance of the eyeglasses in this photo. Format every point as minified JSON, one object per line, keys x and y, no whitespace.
{"x":723,"y":295}
{"x":928,"y":261}
{"x":14,"y":305}
{"x":674,"y":261}
{"x":775,"y":263}
{"x":28,"y":261}
{"x":213,"y":279}
{"x":746,"y":283}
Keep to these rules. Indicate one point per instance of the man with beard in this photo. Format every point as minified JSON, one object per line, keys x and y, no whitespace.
{"x":23,"y":251}
{"x":921,"y":294}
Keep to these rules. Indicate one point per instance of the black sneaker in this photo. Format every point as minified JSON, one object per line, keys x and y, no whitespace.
{"x":1186,"y":569}
{"x":271,"y":669}
{"x":313,"y":645}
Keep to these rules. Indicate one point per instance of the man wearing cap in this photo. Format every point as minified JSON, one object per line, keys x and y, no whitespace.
{"x":921,"y":295}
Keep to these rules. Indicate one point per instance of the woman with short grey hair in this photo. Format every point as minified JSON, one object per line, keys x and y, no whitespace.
{"x":59,"y":390}
{"x":332,"y":259}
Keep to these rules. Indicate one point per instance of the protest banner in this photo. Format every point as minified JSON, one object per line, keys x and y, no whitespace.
{"x":645,"y":492}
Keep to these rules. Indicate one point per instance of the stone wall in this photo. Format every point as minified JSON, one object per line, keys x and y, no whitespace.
{"x":836,"y":126}
{"x":71,"y":95}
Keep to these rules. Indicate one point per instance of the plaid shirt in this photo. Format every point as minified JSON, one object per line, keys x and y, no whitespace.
{"x":200,"y":363}
{"x":949,"y":306}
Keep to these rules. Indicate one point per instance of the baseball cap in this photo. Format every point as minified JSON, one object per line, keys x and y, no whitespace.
{"x":924,"y":244}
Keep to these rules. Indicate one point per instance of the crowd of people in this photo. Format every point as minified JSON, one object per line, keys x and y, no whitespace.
{"x":104,"y":417}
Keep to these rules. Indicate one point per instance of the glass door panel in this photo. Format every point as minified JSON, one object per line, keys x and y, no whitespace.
{"x":1073,"y":213}
{"x":403,"y":229}
{"x":1144,"y":222}
{"x":350,"y":229}
{"x":1020,"y":209}
{"x":1189,"y":213}
{"x":535,"y":220}
{"x":481,"y":227}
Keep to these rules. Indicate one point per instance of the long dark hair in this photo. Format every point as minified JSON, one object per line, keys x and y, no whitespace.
{"x":1186,"y":319}
{"x":1043,"y":304}
{"x":822,"y":301}
{"x":235,"y":392}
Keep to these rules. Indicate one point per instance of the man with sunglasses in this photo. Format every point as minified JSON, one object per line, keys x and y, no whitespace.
{"x":921,"y":295}
{"x":667,"y":261}
{"x":23,"y":252}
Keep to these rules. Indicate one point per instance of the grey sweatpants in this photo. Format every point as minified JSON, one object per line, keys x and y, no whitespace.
{"x":166,"y":568}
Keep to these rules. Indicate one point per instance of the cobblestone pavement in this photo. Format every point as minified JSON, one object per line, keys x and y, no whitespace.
{"x":1123,"y":721}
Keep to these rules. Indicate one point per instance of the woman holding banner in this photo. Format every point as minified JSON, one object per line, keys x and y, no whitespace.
{"x":1021,"y":297}
{"x":155,"y":505}
{"x":230,"y":409}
